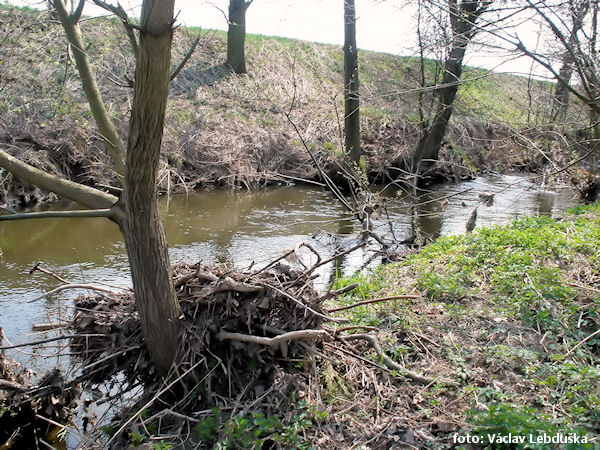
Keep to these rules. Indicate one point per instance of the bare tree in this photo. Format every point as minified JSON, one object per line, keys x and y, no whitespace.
{"x":463,"y":16}
{"x":236,"y":35}
{"x":577,"y":11}
{"x":351,"y":84}
{"x":136,"y":210}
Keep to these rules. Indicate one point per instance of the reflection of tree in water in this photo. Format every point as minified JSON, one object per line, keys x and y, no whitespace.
{"x":345,"y":227}
{"x":430,"y":217}
{"x":544,"y":202}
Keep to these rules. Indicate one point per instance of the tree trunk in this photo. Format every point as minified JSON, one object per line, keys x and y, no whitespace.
{"x":141,"y":224}
{"x":136,"y":211}
{"x":560,"y":102}
{"x":236,"y":35}
{"x":351,"y":85}
{"x":430,"y":143}
{"x":463,"y":17}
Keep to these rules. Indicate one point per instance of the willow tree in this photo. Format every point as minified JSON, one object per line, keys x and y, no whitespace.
{"x":236,"y":35}
{"x":463,"y":16}
{"x":136,"y":165}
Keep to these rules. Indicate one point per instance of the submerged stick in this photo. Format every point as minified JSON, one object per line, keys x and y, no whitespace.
{"x":58,"y":338}
{"x":71,"y":286}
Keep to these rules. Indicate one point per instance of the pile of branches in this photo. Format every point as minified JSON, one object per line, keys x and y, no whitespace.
{"x":247,"y":341}
{"x":31,"y":409}
{"x":236,"y":317}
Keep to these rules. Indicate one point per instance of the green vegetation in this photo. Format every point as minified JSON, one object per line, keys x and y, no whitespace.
{"x":254,"y":430}
{"x":513,"y":312}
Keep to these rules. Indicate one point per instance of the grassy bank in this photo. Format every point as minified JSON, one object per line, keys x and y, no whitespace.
{"x":510,"y":313}
{"x":228,"y":130}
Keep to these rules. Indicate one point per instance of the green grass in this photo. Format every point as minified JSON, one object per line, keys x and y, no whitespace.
{"x":513,"y":310}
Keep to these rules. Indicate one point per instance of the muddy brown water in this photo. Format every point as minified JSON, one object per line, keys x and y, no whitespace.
{"x":242,"y":228}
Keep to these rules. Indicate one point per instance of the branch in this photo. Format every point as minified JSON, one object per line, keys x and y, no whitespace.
{"x":185,"y":59}
{"x":57,"y":338}
{"x":375,"y":300}
{"x":588,"y":101}
{"x":47,"y":272}
{"x":391,"y":364}
{"x":71,"y":286}
{"x":129,"y":27}
{"x":308,"y":308}
{"x":274,"y":341}
{"x":114,"y":145}
{"x":78,"y":11}
{"x":84,"y":195}
{"x":109,"y":213}
{"x":9,"y":385}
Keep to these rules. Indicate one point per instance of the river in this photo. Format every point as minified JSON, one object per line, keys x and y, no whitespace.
{"x":241,"y":228}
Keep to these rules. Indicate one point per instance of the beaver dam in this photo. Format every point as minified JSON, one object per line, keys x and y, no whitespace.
{"x":256,"y":346}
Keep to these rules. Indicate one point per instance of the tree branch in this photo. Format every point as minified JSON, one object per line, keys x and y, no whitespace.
{"x":129,"y":27}
{"x":114,"y":145}
{"x":392,"y":365}
{"x":78,"y":11}
{"x":375,"y":300}
{"x":109,"y":213}
{"x":71,"y":286}
{"x":273,"y":341}
{"x":185,"y":59}
{"x":84,"y":195}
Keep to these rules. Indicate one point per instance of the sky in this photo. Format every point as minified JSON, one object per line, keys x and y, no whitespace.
{"x":382,"y":25}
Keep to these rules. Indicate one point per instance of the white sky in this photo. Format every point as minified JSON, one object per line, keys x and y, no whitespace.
{"x":382,"y":25}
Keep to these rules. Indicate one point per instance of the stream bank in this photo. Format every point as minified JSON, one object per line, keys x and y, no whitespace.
{"x":225,"y":130}
{"x":513,"y":312}
{"x":483,"y":333}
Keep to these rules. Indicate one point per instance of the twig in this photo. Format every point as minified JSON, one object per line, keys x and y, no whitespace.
{"x":353,"y":327}
{"x":182,"y":416}
{"x":71,"y":286}
{"x":326,"y":261}
{"x":185,"y":59}
{"x":48,"y":326}
{"x":184,"y":279}
{"x":9,"y":385}
{"x":425,"y":338}
{"x":273,"y":341}
{"x":584,"y":287}
{"x":50,"y":421}
{"x":47,"y":272}
{"x":595,"y":333}
{"x":375,"y":300}
{"x":308,"y":308}
{"x":112,"y":355}
{"x":337,"y":292}
{"x":152,"y":400}
{"x":391,"y":364}
{"x":58,"y":338}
